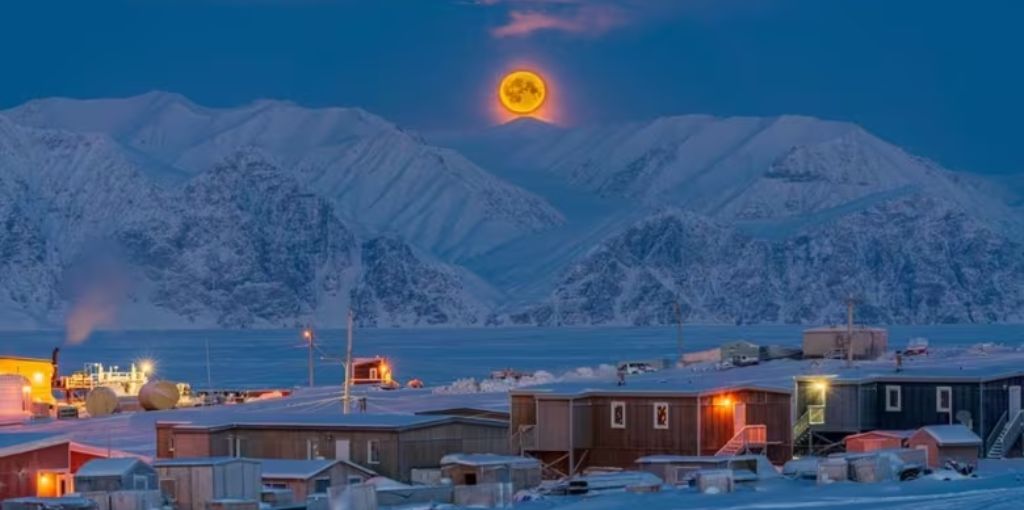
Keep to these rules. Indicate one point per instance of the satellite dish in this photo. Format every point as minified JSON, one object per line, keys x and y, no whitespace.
{"x":964,"y":417}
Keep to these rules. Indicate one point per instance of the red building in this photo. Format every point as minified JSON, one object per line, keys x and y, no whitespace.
{"x":877,"y":440}
{"x":41,"y":464}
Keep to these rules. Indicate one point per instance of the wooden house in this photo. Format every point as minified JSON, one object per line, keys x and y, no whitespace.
{"x":35,"y":464}
{"x":486,"y":468}
{"x":375,"y":370}
{"x":831,"y":407}
{"x":876,"y":440}
{"x":389,"y":444}
{"x":947,"y":442}
{"x":193,"y":483}
{"x":314,"y":476}
{"x":118,"y":474}
{"x":570,"y":428}
{"x":835,"y":342}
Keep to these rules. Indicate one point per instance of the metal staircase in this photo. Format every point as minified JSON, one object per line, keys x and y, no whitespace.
{"x":1008,"y":435}
{"x":750,"y":438}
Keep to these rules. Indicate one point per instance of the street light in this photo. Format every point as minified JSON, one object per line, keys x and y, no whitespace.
{"x":308,"y":336}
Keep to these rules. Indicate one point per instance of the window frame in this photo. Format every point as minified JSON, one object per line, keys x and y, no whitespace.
{"x":938,"y":399}
{"x":373,"y":451}
{"x":890,"y":389}
{"x":611,"y":415}
{"x":668,"y":416}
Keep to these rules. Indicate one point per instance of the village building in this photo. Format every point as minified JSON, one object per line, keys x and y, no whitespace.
{"x":390,"y":444}
{"x":830,"y":407}
{"x":486,"y":468}
{"x":40,"y":464}
{"x":118,"y":474}
{"x":876,"y":440}
{"x":314,"y":476}
{"x":838,"y":341}
{"x":947,"y":442}
{"x":572,"y":427}
{"x":741,"y":352}
{"x":375,"y":370}
{"x":197,"y":483}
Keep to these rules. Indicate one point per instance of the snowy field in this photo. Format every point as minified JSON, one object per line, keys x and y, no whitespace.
{"x":453,"y":362}
{"x":262,"y":358}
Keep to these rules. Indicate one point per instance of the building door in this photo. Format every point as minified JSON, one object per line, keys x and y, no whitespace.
{"x":1014,"y":401}
{"x":343,"y":449}
{"x":739,"y":417}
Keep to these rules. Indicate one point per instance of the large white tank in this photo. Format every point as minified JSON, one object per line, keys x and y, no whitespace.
{"x":101,"y":401}
{"x":159,"y":395}
{"x":15,"y":402}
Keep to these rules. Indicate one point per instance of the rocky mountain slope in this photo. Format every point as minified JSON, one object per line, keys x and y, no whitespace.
{"x":89,"y":241}
{"x":152,"y":211}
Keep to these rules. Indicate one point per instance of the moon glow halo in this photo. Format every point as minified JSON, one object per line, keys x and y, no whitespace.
{"x":522,"y":92}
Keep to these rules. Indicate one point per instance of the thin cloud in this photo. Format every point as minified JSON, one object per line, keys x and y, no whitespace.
{"x":590,"y":20}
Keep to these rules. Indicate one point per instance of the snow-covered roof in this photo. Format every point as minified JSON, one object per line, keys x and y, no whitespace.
{"x":895,"y":434}
{"x":328,"y":420}
{"x":488,"y":459}
{"x":199,"y":461}
{"x":952,"y":435}
{"x":842,"y":329}
{"x":295,"y":469}
{"x":13,"y":443}
{"x":108,"y":467}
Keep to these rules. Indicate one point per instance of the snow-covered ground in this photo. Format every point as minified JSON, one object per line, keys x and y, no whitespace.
{"x":455,"y":362}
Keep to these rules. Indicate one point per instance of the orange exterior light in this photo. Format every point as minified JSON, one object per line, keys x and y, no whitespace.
{"x":26,"y":389}
{"x":820,"y":385}
{"x":723,"y":401}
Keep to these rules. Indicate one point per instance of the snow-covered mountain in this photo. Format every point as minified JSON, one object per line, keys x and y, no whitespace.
{"x":153,"y":211}
{"x":87,"y":239}
{"x":380,"y":178}
{"x":775,"y":220}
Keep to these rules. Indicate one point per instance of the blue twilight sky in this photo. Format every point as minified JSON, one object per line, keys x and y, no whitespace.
{"x":942,"y":78}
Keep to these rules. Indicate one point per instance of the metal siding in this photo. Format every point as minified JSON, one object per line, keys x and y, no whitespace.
{"x":918,"y":405}
{"x":552,"y":425}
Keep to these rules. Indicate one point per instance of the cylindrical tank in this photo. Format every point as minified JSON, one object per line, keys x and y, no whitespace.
{"x":15,"y":402}
{"x":159,"y":395}
{"x":101,"y":401}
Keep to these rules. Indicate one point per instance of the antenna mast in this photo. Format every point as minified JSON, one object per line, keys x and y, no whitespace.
{"x":679,"y":332}
{"x":849,"y":331}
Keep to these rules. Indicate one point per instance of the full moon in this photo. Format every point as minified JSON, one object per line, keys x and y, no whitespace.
{"x":522,"y":92}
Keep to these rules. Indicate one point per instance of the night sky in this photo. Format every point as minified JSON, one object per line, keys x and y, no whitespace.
{"x":941,"y":78}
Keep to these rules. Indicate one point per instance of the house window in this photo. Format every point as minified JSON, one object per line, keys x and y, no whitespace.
{"x":661,"y":415}
{"x":312,"y":449}
{"x":944,"y":399}
{"x":354,"y":480}
{"x":893,"y":398}
{"x":618,"y":415}
{"x":320,"y":485}
{"x":373,"y":451}
{"x":140,"y":482}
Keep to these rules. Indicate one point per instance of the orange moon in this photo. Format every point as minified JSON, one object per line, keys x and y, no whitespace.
{"x":522,"y":92}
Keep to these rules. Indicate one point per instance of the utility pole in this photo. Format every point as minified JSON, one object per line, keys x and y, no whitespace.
{"x":346,"y":396}
{"x":307,"y":335}
{"x":849,"y":331}
{"x":679,"y":332}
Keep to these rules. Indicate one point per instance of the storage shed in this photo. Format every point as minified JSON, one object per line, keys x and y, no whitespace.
{"x":315,"y":476}
{"x":947,"y":442}
{"x":832,"y":342}
{"x":192,"y":483}
{"x":121,"y":474}
{"x":389,"y":444}
{"x":38,"y":372}
{"x":481,"y":468}
{"x":876,"y":440}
